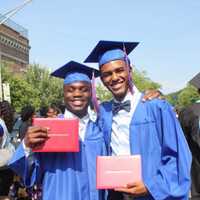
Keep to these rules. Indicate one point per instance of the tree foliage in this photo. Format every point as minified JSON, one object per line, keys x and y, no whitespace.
{"x":50,"y":89}
{"x":35,"y":87}
{"x":143,"y":82}
{"x":184,"y":97}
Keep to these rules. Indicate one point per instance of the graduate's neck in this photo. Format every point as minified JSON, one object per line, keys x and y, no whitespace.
{"x":80,"y":114}
{"x":121,"y":97}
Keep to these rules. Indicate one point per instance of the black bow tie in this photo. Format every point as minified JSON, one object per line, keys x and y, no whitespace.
{"x":117,"y":106}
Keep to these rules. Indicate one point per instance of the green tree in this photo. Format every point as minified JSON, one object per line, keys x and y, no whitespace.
{"x":187,"y":96}
{"x":22,"y":93}
{"x":184,"y":97}
{"x":50,"y":88}
{"x":35,"y":87}
{"x":143,"y":82}
{"x":102,"y":93}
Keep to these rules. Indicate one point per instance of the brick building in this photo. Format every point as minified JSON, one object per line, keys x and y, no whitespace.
{"x":14,"y":45}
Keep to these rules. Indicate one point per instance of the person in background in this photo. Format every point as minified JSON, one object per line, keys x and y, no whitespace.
{"x":27,"y":114}
{"x":52,"y":111}
{"x":61,"y":107}
{"x":43,"y":111}
{"x":6,"y":148}
{"x":148,"y":128}
{"x":190,"y":120}
{"x":68,"y":175}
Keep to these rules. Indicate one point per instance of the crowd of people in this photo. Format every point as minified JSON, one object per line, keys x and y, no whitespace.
{"x":129,"y":124}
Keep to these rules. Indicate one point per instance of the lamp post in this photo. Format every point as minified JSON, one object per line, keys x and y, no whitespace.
{"x":7,"y":16}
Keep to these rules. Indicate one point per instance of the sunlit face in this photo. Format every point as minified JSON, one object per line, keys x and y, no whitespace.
{"x":77,"y":97}
{"x":114,"y":75}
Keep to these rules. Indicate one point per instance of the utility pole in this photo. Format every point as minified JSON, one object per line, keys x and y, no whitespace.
{"x":7,"y":16}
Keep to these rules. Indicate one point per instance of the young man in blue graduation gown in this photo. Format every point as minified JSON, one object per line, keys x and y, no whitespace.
{"x":65,"y":176}
{"x":148,"y":128}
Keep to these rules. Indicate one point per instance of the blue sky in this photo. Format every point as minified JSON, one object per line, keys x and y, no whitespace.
{"x":168,"y":32}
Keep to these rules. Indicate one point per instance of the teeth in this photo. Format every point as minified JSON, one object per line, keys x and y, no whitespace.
{"x":117,"y":85}
{"x":77,"y":102}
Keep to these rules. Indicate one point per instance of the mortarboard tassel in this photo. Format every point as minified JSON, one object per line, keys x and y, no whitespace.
{"x":94,"y":95}
{"x":130,"y":80}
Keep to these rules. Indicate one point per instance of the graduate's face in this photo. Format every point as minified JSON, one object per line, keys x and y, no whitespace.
{"x":114,"y":75}
{"x":77,"y":97}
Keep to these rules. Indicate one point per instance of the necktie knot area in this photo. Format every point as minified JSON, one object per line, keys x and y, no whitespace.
{"x":117,"y":106}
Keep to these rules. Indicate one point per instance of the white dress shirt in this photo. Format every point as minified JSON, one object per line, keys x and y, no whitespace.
{"x":120,"y":140}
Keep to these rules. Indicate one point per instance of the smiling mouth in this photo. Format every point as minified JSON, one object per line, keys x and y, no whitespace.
{"x":77,"y":102}
{"x":116,"y":86}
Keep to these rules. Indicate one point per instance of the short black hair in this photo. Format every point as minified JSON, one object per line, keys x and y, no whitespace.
{"x":7,"y":113}
{"x":27,"y":112}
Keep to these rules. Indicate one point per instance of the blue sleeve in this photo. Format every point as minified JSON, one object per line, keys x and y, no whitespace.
{"x":172,"y":180}
{"x":28,"y":168}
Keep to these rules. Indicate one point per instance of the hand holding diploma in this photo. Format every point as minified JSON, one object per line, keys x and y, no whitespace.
{"x":35,"y":137}
{"x":135,"y":189}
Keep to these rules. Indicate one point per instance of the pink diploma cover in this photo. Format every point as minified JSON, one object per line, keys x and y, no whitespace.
{"x":117,"y":171}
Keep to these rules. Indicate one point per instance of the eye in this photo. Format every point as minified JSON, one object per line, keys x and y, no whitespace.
{"x":85,"y":89}
{"x":120,"y":69}
{"x":106,"y":74}
{"x":70,"y":89}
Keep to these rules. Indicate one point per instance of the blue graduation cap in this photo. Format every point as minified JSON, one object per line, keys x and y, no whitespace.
{"x":73,"y":72}
{"x":106,"y":51}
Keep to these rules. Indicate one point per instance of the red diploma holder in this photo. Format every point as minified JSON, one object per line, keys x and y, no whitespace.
{"x":117,"y":171}
{"x":62,"y":133}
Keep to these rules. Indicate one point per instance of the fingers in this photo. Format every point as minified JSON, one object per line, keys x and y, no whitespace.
{"x":152,"y":94}
{"x":130,"y":185}
{"x":126,"y":190}
{"x":136,"y":188}
{"x":35,"y":136}
{"x":37,"y":129}
{"x":38,"y":145}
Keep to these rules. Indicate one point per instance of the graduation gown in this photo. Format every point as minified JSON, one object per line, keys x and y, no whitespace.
{"x":190,"y":121}
{"x":64,"y":176}
{"x":156,"y":135}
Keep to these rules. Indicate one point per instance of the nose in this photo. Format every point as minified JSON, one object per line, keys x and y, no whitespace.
{"x":77,"y":93}
{"x":114,"y":76}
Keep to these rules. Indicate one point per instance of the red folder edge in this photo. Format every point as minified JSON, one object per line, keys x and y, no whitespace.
{"x":47,"y":122}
